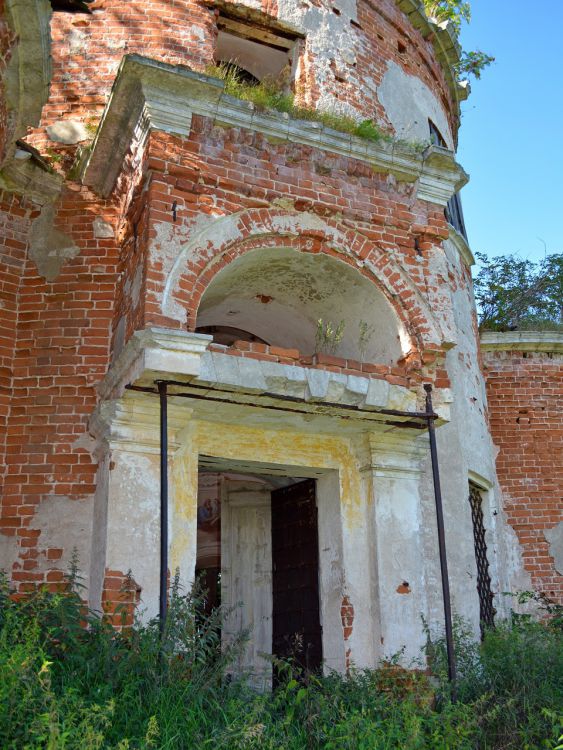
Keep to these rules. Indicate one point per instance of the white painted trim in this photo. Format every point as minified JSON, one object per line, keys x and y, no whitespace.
{"x":479,"y":481}
{"x":526,"y":341}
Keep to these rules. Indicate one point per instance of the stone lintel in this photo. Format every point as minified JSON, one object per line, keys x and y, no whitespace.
{"x":150,"y":95}
{"x":316,"y":399}
{"x":525,"y":341}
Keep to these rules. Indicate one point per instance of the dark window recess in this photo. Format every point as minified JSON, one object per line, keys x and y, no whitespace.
{"x":486,"y":608}
{"x":453,"y":211}
{"x":71,"y":6}
{"x":436,"y":138}
{"x":454,"y":214}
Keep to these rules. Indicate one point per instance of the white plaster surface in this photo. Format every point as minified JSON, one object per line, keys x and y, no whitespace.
{"x":67,"y":132}
{"x":409,"y":104}
{"x":133,"y":532}
{"x":65,"y":524}
{"x":280,"y":295}
{"x":102,"y":229}
{"x":554,"y":537}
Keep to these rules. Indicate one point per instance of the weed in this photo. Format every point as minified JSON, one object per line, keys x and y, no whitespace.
{"x":69,"y":681}
{"x":328,"y":336}
{"x":270,"y":94}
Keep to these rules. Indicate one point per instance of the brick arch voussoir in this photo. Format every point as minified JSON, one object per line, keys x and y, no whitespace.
{"x":266,"y":229}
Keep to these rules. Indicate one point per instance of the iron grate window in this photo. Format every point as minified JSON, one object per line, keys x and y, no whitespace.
{"x":486,"y":608}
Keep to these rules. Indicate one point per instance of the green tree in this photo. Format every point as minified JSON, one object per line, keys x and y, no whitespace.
{"x":455,"y":12}
{"x":516,"y":294}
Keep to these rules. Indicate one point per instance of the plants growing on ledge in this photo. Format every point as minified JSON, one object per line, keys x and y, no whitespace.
{"x":457,"y":11}
{"x":270,"y":94}
{"x":454,"y":11}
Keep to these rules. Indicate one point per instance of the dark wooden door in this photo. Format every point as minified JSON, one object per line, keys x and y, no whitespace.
{"x":295,"y":584}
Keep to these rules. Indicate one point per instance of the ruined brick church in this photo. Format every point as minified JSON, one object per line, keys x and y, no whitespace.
{"x":287,"y":289}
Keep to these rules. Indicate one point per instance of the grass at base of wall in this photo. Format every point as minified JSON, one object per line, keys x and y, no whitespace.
{"x":66,"y":686}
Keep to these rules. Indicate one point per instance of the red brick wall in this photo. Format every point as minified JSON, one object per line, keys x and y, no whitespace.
{"x":525,"y":394}
{"x":222,"y":171}
{"x":87,"y":51}
{"x":60,"y":353}
{"x":56,"y":335}
{"x":15,"y":215}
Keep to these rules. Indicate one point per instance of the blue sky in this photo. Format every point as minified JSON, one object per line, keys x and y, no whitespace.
{"x":511,"y":137}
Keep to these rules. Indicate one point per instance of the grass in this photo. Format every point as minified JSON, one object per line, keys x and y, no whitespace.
{"x":64,"y":685}
{"x":269,"y":95}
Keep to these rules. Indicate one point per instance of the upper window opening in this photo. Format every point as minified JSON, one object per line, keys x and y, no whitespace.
{"x":436,"y":138}
{"x":251,"y":58}
{"x":254,"y":42}
{"x":71,"y":6}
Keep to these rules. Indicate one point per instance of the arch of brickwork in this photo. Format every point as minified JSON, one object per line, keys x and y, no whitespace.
{"x":210,"y":251}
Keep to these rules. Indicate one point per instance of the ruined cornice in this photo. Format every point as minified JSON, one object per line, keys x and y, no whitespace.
{"x":446,"y":46}
{"x":28,"y":73}
{"x":150,"y":95}
{"x":524,"y":341}
{"x":24,"y":177}
{"x":183,"y":358}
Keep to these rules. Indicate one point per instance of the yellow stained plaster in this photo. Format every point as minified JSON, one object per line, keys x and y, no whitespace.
{"x":285,"y":448}
{"x":254,"y":444}
{"x":184,"y":485}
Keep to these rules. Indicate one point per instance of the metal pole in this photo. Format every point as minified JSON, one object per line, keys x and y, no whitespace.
{"x":163,"y":604}
{"x":441,"y":542}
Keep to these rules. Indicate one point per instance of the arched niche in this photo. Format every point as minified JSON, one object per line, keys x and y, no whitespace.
{"x":278,"y":295}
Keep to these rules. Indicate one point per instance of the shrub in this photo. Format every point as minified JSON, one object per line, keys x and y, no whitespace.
{"x":68,"y":680}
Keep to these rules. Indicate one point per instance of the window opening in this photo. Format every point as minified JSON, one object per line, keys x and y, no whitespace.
{"x":453,"y":211}
{"x":255,"y":43}
{"x":436,"y":138}
{"x":486,"y":608}
{"x":71,"y":6}
{"x":227,"y":335}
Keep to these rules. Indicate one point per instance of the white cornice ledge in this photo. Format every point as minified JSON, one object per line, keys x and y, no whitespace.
{"x":155,"y":353}
{"x":526,"y":341}
{"x":150,"y":95}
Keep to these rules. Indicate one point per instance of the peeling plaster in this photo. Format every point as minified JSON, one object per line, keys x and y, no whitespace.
{"x":331,"y":38}
{"x":409,"y":104}
{"x":301,"y":289}
{"x":65,"y":525}
{"x":8,"y":553}
{"x":49,"y":248}
{"x":554,"y":538}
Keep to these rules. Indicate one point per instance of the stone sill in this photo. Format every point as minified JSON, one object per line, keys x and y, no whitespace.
{"x":193,"y":362}
{"x":525,"y":341}
{"x":292,"y":357}
{"x":149,"y":95}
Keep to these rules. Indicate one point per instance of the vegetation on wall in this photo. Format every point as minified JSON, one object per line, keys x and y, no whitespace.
{"x":67,"y":686}
{"x":517,"y":294}
{"x":271,"y":94}
{"x":456,"y":12}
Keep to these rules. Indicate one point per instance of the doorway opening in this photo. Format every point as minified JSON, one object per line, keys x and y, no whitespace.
{"x":258,"y":556}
